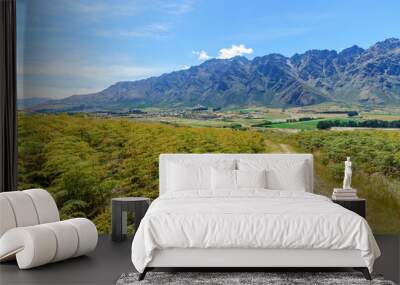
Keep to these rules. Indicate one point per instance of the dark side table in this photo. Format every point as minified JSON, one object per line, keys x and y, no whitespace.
{"x":120,"y":208}
{"x":356,"y":205}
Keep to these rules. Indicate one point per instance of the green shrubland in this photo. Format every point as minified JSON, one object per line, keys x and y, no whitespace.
{"x":85,"y":161}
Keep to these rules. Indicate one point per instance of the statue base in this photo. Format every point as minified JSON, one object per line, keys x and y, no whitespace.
{"x":344,"y":194}
{"x":339,"y":190}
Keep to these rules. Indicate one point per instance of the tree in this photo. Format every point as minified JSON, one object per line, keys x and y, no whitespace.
{"x":352,"y":113}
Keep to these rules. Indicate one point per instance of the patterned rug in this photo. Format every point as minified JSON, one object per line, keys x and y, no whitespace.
{"x":243,"y":278}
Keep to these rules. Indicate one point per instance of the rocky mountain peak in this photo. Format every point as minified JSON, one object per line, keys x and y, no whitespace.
{"x":351,"y":51}
{"x":386,"y":45}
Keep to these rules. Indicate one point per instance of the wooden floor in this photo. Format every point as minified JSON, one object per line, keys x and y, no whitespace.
{"x":111,"y":259}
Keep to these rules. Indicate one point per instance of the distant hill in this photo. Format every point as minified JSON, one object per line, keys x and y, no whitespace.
{"x":24,"y":103}
{"x":354,"y":75}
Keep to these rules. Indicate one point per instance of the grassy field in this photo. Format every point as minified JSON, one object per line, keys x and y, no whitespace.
{"x":197,"y":123}
{"x":306,"y":125}
{"x":244,"y":122}
{"x":380,"y":116}
{"x":247,"y":117}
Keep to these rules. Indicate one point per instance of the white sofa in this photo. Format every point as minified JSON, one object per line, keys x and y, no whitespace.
{"x":31,"y":231}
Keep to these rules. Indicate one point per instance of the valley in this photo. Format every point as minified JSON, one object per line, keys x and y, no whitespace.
{"x":290,"y":119}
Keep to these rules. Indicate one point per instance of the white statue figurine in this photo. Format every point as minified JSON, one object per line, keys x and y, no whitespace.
{"x":347,"y":174}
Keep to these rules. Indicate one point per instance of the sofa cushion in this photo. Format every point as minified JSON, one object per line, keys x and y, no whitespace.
{"x":23,"y":208}
{"x":45,"y":205}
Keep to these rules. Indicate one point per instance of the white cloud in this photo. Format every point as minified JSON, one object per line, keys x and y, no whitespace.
{"x":202,"y":55}
{"x":184,"y":67}
{"x":235,"y":50}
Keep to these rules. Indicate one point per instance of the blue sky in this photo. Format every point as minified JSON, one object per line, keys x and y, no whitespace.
{"x":70,"y":47}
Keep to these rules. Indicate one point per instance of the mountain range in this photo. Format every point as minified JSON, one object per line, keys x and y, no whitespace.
{"x":354,"y":75}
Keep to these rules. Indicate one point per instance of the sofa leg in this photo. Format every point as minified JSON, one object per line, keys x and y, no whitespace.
{"x":143,"y":274}
{"x":364,"y":271}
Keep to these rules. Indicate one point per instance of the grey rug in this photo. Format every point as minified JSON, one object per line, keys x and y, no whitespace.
{"x":269,"y":278}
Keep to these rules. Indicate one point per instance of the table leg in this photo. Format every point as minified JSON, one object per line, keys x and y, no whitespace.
{"x":124,"y":224}
{"x":116,"y":221}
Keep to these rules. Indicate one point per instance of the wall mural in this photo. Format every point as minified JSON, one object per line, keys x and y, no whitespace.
{"x":104,"y":87}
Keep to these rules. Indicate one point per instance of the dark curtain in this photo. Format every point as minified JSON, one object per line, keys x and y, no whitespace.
{"x":8,"y":96}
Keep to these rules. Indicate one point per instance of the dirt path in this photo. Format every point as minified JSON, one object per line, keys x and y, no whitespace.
{"x":275,"y":147}
{"x":285,"y":148}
